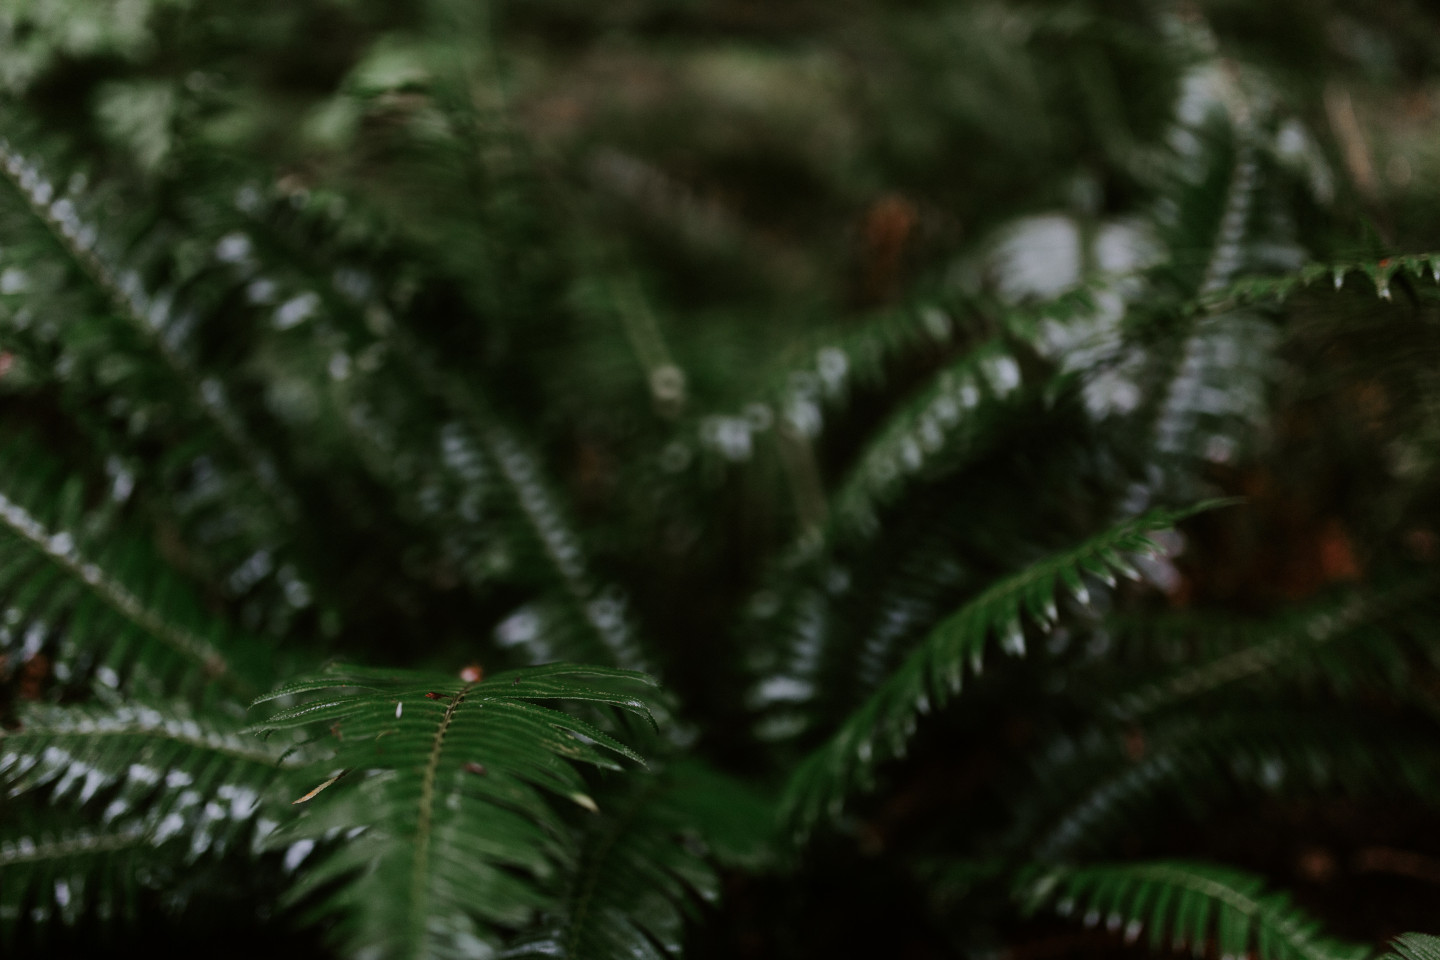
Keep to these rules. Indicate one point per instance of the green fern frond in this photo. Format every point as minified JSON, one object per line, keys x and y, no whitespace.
{"x":59,"y":872}
{"x":645,"y":861}
{"x":115,"y":328}
{"x":1343,"y":643}
{"x":934,"y":326}
{"x":196,"y":775}
{"x":117,"y":610}
{"x":122,"y":794}
{"x":1415,"y":946}
{"x":1184,"y":904}
{"x":1274,"y":290}
{"x":882,"y":726}
{"x":960,"y":409}
{"x":1085,"y":791}
{"x":441,"y":788}
{"x":138,"y":321}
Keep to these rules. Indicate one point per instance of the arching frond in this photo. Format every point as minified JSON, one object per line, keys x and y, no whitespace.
{"x":882,"y":726}
{"x":181,"y":771}
{"x":962,"y":408}
{"x":115,"y":330}
{"x":1184,"y":904}
{"x":1342,"y":642}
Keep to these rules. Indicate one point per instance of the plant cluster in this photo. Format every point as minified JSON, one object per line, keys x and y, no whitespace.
{"x":517,"y":480}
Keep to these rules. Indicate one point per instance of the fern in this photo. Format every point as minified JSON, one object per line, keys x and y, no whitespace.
{"x":785,"y":355}
{"x":1088,"y":790}
{"x":57,"y":873}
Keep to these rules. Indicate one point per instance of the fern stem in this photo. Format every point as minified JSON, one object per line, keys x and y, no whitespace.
{"x":152,"y":731}
{"x":132,"y":835}
{"x":421,"y":863}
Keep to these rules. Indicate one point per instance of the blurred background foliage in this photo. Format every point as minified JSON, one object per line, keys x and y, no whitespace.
{"x":694,"y":255}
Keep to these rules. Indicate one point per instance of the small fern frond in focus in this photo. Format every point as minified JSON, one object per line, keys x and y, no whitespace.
{"x":1183,"y":904}
{"x":882,"y":726}
{"x":442,"y":785}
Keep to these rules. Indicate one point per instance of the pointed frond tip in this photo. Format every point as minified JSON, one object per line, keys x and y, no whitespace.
{"x":1182,"y":904}
{"x":1277,"y":289}
{"x":881,"y":727}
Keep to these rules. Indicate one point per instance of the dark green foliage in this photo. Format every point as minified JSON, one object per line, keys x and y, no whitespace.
{"x":619,"y":438}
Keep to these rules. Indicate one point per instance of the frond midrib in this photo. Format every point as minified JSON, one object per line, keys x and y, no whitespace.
{"x":88,"y":843}
{"x":420,"y":864}
{"x":218,"y":745}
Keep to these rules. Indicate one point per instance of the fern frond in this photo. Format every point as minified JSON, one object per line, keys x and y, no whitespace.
{"x":114,"y":322}
{"x":152,"y":321}
{"x":55,"y":872}
{"x":800,"y":394}
{"x":1343,"y":642}
{"x":840,"y":622}
{"x":960,"y":409}
{"x":451,"y":836}
{"x":150,"y":786}
{"x":116,"y":608}
{"x":1414,"y":946}
{"x":196,"y":775}
{"x":608,"y":633}
{"x":644,"y":862}
{"x":1274,"y":290}
{"x":1085,"y":791}
{"x":930,"y":676}
{"x":1185,"y":904}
